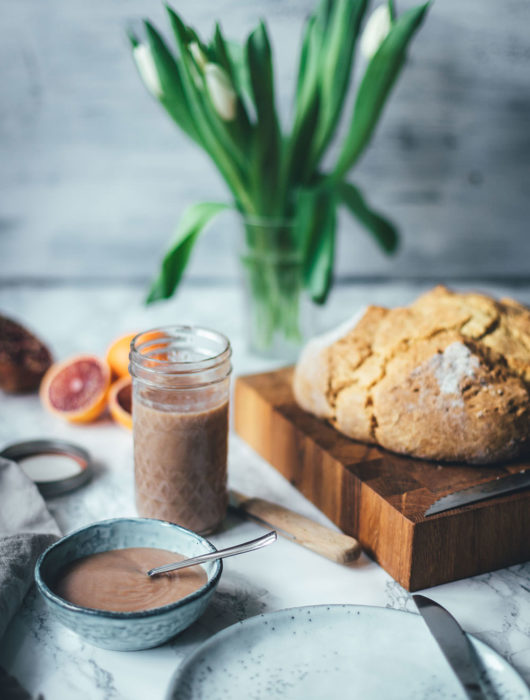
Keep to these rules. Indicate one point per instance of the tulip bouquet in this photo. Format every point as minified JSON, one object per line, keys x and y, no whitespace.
{"x":222,"y":95}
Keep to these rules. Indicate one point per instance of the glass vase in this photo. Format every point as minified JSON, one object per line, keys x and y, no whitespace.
{"x":278,"y":312}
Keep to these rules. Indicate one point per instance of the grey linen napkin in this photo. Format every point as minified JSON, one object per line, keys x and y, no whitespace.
{"x":26,"y":529}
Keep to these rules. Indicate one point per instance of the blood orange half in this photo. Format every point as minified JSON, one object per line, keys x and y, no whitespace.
{"x":120,"y":402}
{"x":76,"y":389}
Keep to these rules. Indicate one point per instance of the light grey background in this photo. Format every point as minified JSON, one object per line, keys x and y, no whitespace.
{"x":93,"y":176}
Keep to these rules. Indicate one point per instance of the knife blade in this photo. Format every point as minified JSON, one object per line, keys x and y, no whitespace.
{"x":499,"y":486}
{"x":454,"y":644}
{"x":333,"y":545}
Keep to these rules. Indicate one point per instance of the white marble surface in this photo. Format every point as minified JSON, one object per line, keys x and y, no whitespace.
{"x":49,"y":659}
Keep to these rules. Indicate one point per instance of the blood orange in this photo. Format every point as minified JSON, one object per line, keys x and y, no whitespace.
{"x":76,"y":389}
{"x":120,"y":402}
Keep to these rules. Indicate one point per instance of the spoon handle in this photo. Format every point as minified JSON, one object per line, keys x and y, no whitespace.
{"x":249,"y":546}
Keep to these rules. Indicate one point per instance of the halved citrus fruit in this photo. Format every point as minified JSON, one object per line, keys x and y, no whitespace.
{"x":76,"y":389}
{"x":118,"y":355}
{"x":120,"y":401}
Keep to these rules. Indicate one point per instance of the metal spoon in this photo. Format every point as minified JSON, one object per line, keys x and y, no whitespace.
{"x":249,"y":546}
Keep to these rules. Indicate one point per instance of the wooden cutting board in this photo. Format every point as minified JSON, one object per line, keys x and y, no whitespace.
{"x":379,"y":497}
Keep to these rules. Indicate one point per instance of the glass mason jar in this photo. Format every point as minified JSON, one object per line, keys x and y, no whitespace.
{"x":278,"y":310}
{"x":181,"y":383}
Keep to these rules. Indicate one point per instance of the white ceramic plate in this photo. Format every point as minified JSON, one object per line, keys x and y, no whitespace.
{"x":332,"y":651}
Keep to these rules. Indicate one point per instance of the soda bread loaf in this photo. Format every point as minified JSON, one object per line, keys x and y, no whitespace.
{"x":446,"y":378}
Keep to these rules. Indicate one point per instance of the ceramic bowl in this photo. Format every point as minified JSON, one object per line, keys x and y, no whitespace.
{"x":126,"y":631}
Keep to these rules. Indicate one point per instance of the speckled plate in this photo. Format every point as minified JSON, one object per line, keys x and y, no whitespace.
{"x":335,"y":651}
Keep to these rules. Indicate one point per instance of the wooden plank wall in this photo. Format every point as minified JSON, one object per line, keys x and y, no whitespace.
{"x":93,"y":176}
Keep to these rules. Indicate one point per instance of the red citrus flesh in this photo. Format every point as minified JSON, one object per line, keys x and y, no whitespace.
{"x":76,"y":389}
{"x":76,"y":385}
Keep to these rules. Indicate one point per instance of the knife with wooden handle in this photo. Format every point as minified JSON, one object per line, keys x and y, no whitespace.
{"x":333,"y":545}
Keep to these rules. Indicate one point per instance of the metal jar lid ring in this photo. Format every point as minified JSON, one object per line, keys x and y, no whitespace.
{"x":22,"y":451}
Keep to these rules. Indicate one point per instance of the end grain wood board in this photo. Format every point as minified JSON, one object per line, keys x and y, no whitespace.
{"x":379,"y":497}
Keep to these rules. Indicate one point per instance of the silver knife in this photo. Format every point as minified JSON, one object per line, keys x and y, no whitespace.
{"x":497,"y":487}
{"x":454,"y":644}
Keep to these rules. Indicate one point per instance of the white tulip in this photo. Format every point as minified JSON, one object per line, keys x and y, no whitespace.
{"x":221,"y":92}
{"x":375,"y":31}
{"x":198,"y":54}
{"x":147,"y":69}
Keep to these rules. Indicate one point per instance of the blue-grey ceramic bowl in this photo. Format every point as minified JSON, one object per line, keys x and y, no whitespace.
{"x":126,"y":631}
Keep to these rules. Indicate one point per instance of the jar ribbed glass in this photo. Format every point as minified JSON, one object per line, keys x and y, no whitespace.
{"x":181,"y":383}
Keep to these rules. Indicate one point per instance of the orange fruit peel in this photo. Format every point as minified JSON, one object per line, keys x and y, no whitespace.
{"x":118,"y":355}
{"x":120,"y":401}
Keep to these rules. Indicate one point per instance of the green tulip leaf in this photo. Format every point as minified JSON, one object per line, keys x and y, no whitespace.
{"x":383,"y":230}
{"x":308,"y":71}
{"x":172,"y":96}
{"x":316,"y":225}
{"x":298,"y":149}
{"x":336,"y":67}
{"x":218,"y":142}
{"x":221,"y":50}
{"x":133,"y":39}
{"x":237,"y":54}
{"x":265,"y":157}
{"x":380,"y":76}
{"x":191,"y":224}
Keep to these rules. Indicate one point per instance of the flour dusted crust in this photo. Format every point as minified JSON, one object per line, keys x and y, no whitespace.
{"x":446,"y":378}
